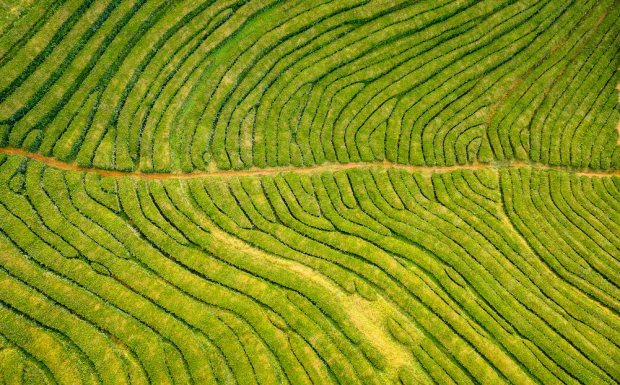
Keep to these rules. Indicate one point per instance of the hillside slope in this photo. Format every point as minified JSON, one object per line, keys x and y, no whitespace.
{"x":309,"y":192}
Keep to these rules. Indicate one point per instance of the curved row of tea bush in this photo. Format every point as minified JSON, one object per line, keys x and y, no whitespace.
{"x":160,"y":85}
{"x":488,"y":274}
{"x":366,"y":275}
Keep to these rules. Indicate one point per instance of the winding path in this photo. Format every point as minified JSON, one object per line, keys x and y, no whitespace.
{"x":302,"y":170}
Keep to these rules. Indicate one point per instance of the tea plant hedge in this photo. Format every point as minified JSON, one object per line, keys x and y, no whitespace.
{"x":309,"y":192}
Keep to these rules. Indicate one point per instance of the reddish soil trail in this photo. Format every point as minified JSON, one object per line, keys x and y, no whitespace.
{"x":302,"y":170}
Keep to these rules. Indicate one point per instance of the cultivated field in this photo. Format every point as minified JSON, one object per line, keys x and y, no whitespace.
{"x":309,"y":192}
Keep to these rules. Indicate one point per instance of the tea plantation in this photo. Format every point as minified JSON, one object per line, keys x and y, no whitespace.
{"x":309,"y":192}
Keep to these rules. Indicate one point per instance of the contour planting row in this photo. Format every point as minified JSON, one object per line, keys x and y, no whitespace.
{"x":357,"y":276}
{"x":179,"y":86}
{"x":135,"y":285}
{"x":564,"y":110}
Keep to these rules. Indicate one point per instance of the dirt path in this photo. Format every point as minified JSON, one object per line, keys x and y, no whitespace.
{"x":276,"y":170}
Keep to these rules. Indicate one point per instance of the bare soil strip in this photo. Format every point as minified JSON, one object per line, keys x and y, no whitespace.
{"x":302,"y":170}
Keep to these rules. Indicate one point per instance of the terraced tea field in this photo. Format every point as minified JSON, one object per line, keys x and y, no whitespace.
{"x":309,"y":192}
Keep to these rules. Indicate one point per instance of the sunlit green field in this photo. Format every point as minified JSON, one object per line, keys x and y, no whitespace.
{"x":309,"y":192}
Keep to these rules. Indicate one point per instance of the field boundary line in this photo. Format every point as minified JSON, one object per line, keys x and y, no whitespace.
{"x":300,"y":170}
